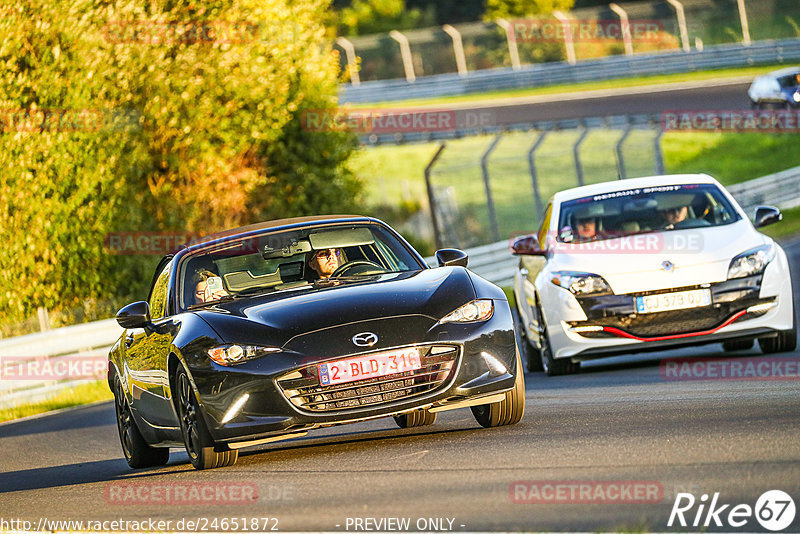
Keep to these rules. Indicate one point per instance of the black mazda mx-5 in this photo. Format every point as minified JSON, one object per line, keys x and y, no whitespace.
{"x":264,"y":332}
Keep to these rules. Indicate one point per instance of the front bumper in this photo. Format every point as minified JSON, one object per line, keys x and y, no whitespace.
{"x":751,"y":307}
{"x":284,"y":395}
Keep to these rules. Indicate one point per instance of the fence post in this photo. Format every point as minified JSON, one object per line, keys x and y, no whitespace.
{"x":681,"y":23}
{"x":745,"y":25}
{"x":658,"y":154}
{"x":44,"y":319}
{"x":568,"y":43}
{"x":620,"y":158}
{"x":458,"y":49}
{"x":537,"y":197}
{"x":488,"y":188}
{"x":431,"y":199}
{"x":625,"y":27}
{"x":513,"y":51}
{"x":352,"y":64}
{"x":405,"y":53}
{"x":576,"y":154}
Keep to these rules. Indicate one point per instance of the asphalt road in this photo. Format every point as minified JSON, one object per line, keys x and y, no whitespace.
{"x":618,"y":420}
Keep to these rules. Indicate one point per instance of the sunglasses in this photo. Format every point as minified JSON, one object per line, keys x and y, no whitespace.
{"x":326,"y":253}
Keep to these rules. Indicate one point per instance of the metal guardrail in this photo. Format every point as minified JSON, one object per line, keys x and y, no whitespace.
{"x":493,"y":262}
{"x":609,"y":68}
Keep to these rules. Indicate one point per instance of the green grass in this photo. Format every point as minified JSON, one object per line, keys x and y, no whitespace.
{"x":658,"y":79}
{"x":395,"y":173}
{"x":787,"y":228}
{"x":82,"y":394}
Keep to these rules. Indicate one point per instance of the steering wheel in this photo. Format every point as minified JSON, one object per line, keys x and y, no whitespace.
{"x":365,"y":267}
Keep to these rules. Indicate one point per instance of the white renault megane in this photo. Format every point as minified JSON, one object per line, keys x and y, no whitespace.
{"x":650,"y":264}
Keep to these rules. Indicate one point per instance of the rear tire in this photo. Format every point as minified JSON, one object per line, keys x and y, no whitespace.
{"x":196,"y":438}
{"x":415,"y":418}
{"x":137,"y":452}
{"x":737,"y":344}
{"x":508,"y":411}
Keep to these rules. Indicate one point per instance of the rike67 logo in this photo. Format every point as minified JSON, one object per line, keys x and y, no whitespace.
{"x":774,"y":510}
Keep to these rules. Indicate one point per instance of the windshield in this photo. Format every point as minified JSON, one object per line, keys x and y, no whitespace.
{"x":649,"y":209}
{"x":289,"y":260}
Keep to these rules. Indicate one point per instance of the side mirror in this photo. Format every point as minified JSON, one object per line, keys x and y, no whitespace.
{"x":527,"y":246}
{"x":448,"y":257}
{"x":766,"y":215}
{"x":135,"y":315}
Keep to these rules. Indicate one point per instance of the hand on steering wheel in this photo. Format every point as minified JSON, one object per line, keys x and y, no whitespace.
{"x":367,"y":266}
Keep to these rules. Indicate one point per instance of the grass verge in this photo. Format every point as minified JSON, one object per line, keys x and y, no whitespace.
{"x":657,"y":79}
{"x":82,"y":394}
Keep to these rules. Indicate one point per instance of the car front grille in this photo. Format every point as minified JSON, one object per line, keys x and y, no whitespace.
{"x":302,"y":387}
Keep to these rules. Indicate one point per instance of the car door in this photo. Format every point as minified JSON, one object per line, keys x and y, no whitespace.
{"x":148,"y":351}
{"x":529,"y":269}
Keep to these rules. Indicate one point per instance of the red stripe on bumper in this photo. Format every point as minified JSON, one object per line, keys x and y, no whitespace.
{"x":622,"y":333}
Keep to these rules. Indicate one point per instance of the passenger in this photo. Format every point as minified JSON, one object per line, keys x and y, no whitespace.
{"x":202,"y":292}
{"x":325,"y":261}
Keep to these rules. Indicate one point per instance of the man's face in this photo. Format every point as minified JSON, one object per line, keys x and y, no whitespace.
{"x":200,"y":292}
{"x":676,"y":215}
{"x":587,"y":228}
{"x":325,"y":261}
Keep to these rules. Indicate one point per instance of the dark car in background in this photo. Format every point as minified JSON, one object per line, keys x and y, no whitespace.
{"x":780,"y":88}
{"x":241,"y":342}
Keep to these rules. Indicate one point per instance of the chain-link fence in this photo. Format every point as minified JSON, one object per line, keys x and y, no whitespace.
{"x":485,"y":44}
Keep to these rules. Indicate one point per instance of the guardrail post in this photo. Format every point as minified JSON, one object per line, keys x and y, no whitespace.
{"x":537,"y":197}
{"x":513,"y":51}
{"x":458,"y":49}
{"x":44,"y":319}
{"x":625,"y":27}
{"x":576,"y":153}
{"x":681,"y":23}
{"x":745,"y":25}
{"x":568,"y":43}
{"x":620,"y":158}
{"x":437,"y":239}
{"x":488,"y":188}
{"x":658,"y":154}
{"x":405,"y":53}
{"x":352,"y":64}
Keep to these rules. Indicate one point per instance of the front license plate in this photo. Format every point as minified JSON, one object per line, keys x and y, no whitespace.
{"x":680,"y":300}
{"x":369,"y":366}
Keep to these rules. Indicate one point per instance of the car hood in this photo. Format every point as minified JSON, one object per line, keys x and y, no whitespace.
{"x":276,"y":318}
{"x":637,"y":263}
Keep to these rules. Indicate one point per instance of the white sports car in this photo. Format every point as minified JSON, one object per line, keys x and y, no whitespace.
{"x":649,"y":264}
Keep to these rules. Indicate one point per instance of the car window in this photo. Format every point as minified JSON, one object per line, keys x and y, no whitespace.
{"x":159,"y":293}
{"x":281,"y":261}
{"x":649,"y":209}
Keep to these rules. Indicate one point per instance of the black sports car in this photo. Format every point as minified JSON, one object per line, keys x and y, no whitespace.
{"x":267,"y":331}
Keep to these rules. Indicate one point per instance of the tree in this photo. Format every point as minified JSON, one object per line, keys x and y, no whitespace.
{"x":511,"y":9}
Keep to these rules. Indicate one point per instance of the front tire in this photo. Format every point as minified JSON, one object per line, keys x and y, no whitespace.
{"x":415,"y":418}
{"x":550,"y":365}
{"x":196,"y":438}
{"x":137,"y":452}
{"x":508,"y":411}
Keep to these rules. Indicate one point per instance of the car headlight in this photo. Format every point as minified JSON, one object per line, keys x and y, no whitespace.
{"x":473,"y":311}
{"x":796,"y":96}
{"x":233,"y":354}
{"x":751,"y":262}
{"x":581,"y":283}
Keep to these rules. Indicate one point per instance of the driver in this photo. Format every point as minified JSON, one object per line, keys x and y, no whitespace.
{"x":202,"y":293}
{"x":325,"y":261}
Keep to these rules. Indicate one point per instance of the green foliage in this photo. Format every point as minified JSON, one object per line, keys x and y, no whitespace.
{"x":363,"y":17}
{"x":160,"y":131}
{"x":511,"y":9}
